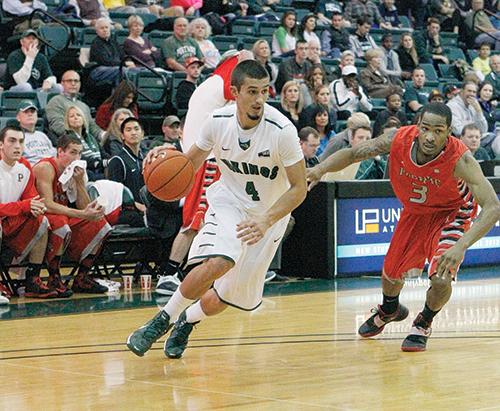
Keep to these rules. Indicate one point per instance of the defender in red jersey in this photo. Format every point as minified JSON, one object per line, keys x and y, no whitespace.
{"x":439,"y":183}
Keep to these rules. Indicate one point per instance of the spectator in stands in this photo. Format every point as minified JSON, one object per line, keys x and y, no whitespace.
{"x":124,"y":96}
{"x":80,"y":231}
{"x":314,"y":54}
{"x":361,"y":39}
{"x":409,"y":56}
{"x":471,"y":137}
{"x":321,"y":97}
{"x":58,"y":105}
{"x":126,"y":168}
{"x":24,"y":226}
{"x":36,"y":144}
{"x":494,"y":76}
{"x":481,"y":64}
{"x":112,"y":142}
{"x":416,"y":10}
{"x":262,"y":53}
{"x":488,"y":105}
{"x":186,"y":88}
{"x":157,"y":7}
{"x":314,"y":78}
{"x":177,"y":48}
{"x":428,"y":44}
{"x":91,"y":10}
{"x":347,"y":58}
{"x":435,"y":96}
{"x":284,"y":37}
{"x":416,"y":96}
{"x":375,"y":81}
{"x":108,"y":54}
{"x":121,"y":6}
{"x":355,"y":9}
{"x":373,"y":168}
{"x":479,"y":22}
{"x":292,"y":101}
{"x":393,"y":102}
{"x":22,"y":8}
{"x":347,"y":95}
{"x":320,"y":121}
{"x":390,"y":59}
{"x":200,"y":30}
{"x":171,"y":129}
{"x":389,"y":13}
{"x":75,"y":124}
{"x":228,"y":9}
{"x":342,"y":139}
{"x":190,"y":7}
{"x":309,"y":143}
{"x":450,"y":91}
{"x":294,"y":68}
{"x":28,"y":69}
{"x":467,"y":110}
{"x":335,"y":39}
{"x":447,"y":14}
{"x":307,"y":27}
{"x":139,"y":46}
{"x":326,"y":9}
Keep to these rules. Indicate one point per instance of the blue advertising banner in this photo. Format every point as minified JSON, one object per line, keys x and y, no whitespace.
{"x":364,"y":231}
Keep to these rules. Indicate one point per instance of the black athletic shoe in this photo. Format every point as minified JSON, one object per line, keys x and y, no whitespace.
{"x":84,"y":284}
{"x":417,"y":339}
{"x":140,"y":341}
{"x":56,"y":283}
{"x":376,"y":323}
{"x":178,"y":340}
{"x":35,"y":288}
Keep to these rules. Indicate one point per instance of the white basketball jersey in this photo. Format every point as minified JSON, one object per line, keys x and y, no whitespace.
{"x":253,"y":172}
{"x":13,"y":181}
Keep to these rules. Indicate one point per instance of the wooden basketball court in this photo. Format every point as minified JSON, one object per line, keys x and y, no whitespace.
{"x":298,"y":351}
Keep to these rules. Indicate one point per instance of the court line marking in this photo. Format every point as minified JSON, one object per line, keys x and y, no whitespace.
{"x":275,"y":400}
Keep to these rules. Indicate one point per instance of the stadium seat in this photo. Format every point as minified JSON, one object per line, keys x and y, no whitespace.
{"x":11,"y":99}
{"x":153,"y":90}
{"x":454,"y":53}
{"x":267,"y":28}
{"x":157,"y":37}
{"x":123,"y":17}
{"x":225,"y":43}
{"x":430,"y":72}
{"x":177,"y":77}
{"x":446,"y":72}
{"x":472,"y":54}
{"x":244,"y":27}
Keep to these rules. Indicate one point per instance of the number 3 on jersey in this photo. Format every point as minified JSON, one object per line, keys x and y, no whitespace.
{"x":421,"y":192}
{"x":252,"y":191}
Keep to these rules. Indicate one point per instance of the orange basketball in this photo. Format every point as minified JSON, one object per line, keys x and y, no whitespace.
{"x":170,"y":176}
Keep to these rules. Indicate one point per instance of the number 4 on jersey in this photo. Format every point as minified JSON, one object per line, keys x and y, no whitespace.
{"x":252,"y":191}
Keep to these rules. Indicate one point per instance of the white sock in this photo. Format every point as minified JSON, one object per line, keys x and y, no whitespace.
{"x":195,"y":313}
{"x":176,"y":305}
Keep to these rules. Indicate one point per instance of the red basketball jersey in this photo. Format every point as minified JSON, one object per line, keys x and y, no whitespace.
{"x":431,"y":187}
{"x":60,"y":196}
{"x":225,"y":70}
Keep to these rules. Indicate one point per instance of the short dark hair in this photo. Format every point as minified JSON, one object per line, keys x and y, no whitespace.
{"x":247,"y":69}
{"x":66,"y":139}
{"x":439,"y":109}
{"x":433,"y":20}
{"x":484,"y":43}
{"x":470,"y":127}
{"x":363,"y":20}
{"x":305,"y":132}
{"x":129,"y":120}
{"x":10,"y":127}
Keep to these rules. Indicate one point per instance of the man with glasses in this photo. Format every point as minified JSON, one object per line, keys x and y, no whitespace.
{"x":309,"y":143}
{"x":58,"y":105}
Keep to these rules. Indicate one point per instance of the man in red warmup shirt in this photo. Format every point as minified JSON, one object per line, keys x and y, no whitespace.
{"x":439,"y":183}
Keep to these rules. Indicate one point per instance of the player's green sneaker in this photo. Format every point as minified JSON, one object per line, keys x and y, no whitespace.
{"x":140,"y":341}
{"x":376,"y":323}
{"x":177,"y":341}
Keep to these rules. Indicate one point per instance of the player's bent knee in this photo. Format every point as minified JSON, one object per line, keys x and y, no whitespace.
{"x":218,"y":266}
{"x":441,"y":283}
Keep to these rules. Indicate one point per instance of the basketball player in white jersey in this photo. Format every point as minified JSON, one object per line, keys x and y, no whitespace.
{"x":262,"y":181}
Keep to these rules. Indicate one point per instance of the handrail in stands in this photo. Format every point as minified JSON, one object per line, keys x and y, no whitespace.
{"x":156,"y":73}
{"x":479,"y":28}
{"x":64,"y":25}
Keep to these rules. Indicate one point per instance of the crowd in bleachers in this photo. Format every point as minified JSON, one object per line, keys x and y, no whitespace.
{"x":345,"y":69}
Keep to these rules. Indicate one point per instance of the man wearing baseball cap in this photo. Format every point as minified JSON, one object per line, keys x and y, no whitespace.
{"x":171,"y":128}
{"x":36,"y":144}
{"x":435,"y":96}
{"x":27,"y":69}
{"x":186,"y":88}
{"x":347,"y":95}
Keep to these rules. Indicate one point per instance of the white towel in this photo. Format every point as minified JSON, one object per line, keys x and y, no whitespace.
{"x":67,"y":181}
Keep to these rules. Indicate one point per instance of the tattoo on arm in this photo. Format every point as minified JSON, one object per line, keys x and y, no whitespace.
{"x":374,"y":147}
